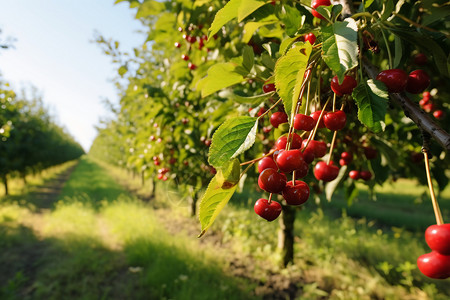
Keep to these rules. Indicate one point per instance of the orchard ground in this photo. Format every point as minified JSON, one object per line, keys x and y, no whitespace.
{"x":102,"y":235}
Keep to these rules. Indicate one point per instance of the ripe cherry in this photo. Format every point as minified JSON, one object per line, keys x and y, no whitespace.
{"x":303,"y":122}
{"x":424,"y":101}
{"x":353,"y":174}
{"x":311,"y":38}
{"x":420,"y":59}
{"x":271,"y":181}
{"x":346,"y":158}
{"x":184,"y":57}
{"x":429,"y":107}
{"x":308,"y":154}
{"x":315,"y":115}
{"x":418,"y":81}
{"x":302,"y":171}
{"x":278,"y":118}
{"x":266,"y":210}
{"x":178,"y":45}
{"x":317,"y":3}
{"x":192,"y":66}
{"x":346,"y":87}
{"x":370,"y":152}
{"x":325,"y":172}
{"x":365,"y":175}
{"x":289,"y":160}
{"x":438,"y":114}
{"x":438,"y":238}
{"x":296,"y":142}
{"x":296,"y":194}
{"x":269,"y":87}
{"x":267,"y":163}
{"x":261,"y":111}
{"x":335,"y":120}
{"x":394,"y":79}
{"x":426,"y":95}
{"x":434,"y":265}
{"x":319,"y":148}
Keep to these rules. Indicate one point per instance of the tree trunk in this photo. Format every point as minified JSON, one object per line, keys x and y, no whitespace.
{"x":193,"y":201}
{"x":142,"y":178}
{"x":24,"y":178}
{"x":5,"y":183}
{"x":286,"y":235}
{"x":153,"y":190}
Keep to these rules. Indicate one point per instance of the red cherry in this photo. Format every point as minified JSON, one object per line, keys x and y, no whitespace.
{"x":296,"y":194}
{"x":192,"y":66}
{"x":172,"y":161}
{"x":365,"y":175}
{"x":438,"y":238}
{"x":424,"y":101}
{"x":207,"y":143}
{"x":394,"y":79}
{"x":429,"y":107}
{"x":186,"y":163}
{"x":325,"y":172}
{"x":268,"y":87}
{"x":261,"y":111}
{"x":320,"y":148}
{"x":348,"y":156}
{"x":201,"y":44}
{"x":290,"y":160}
{"x":271,"y":181}
{"x":317,"y":3}
{"x":370,"y":152}
{"x":267,"y":129}
{"x":267,"y":163}
{"x":302,"y":171}
{"x":191,"y":39}
{"x":267,"y":211}
{"x":178,"y":45}
{"x":308,"y":154}
{"x":426,"y":95}
{"x":335,"y":120}
{"x":152,"y":138}
{"x":160,"y":176}
{"x":311,"y":38}
{"x":416,"y":157}
{"x":418,"y":81}
{"x":434,"y":265}
{"x":278,"y":118}
{"x":184,"y":57}
{"x":354,"y":175}
{"x":295,"y":144}
{"x":315,"y":115}
{"x":346,"y":87}
{"x":303,"y":122}
{"x":438,"y":114}
{"x":420,"y":59}
{"x":156,"y":162}
{"x":180,"y":29}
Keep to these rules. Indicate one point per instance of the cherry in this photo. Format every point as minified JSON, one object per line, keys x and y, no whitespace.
{"x":289,"y":160}
{"x":317,"y":3}
{"x":296,"y":194}
{"x":438,"y":238}
{"x":365,"y":175}
{"x":152,"y":138}
{"x":420,"y":59}
{"x":416,"y":157}
{"x":207,"y":143}
{"x":320,"y":148}
{"x":308,"y":154}
{"x":160,"y":176}
{"x":192,"y":66}
{"x":269,"y":211}
{"x":346,"y":87}
{"x":278,"y":118}
{"x":434,"y":265}
{"x":370,"y":152}
{"x":311,"y":38}
{"x":325,"y":172}
{"x":172,"y":161}
{"x":302,"y":171}
{"x":184,"y":57}
{"x":178,"y":45}
{"x":346,"y":158}
{"x":315,"y":115}
{"x":438,"y":114}
{"x":261,"y":111}
{"x":429,"y":107}
{"x":354,"y":175}
{"x":418,"y":81}
{"x":394,"y":79}
{"x":267,"y":163}
{"x":267,"y":129}
{"x":335,"y":120}
{"x":296,"y":142}
{"x":271,"y":181}
{"x":424,"y":101}
{"x":426,"y":95}
{"x":303,"y":122}
{"x":180,"y":29}
{"x":269,"y":87}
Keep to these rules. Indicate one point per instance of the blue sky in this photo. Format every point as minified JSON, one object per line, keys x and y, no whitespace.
{"x":53,"y":52}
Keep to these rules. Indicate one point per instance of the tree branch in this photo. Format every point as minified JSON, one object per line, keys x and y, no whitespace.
{"x":411,"y":109}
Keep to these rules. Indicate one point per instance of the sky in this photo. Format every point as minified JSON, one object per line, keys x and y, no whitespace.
{"x":54,"y":52}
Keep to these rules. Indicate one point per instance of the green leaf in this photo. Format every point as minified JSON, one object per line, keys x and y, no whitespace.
{"x":340,"y":48}
{"x":289,"y":75}
{"x":220,"y":76}
{"x":248,"y":58}
{"x":251,"y":27}
{"x":232,"y":138}
{"x":212,"y":202}
{"x":372,"y":99}
{"x":368,"y":3}
{"x":291,"y":19}
{"x":351,"y":192}
{"x":149,"y":8}
{"x":247,"y":7}
{"x":229,"y":175}
{"x":240,"y":97}
{"x":331,"y":186}
{"x":398,"y":51}
{"x":224,"y":15}
{"x":122,"y":70}
{"x":388,"y":8}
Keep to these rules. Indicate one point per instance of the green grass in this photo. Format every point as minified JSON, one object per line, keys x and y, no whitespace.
{"x":98,"y":242}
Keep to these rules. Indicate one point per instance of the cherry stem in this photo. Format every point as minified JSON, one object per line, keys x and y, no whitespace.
{"x":307,"y":98}
{"x":257,"y":159}
{"x":245,"y":170}
{"x":267,"y":111}
{"x":387,"y":48}
{"x":270,"y":198}
{"x":313,"y":133}
{"x":437,"y":211}
{"x":293,"y":178}
{"x":332,"y":146}
{"x":334,"y":102}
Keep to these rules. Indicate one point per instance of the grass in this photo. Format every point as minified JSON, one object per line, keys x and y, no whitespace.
{"x":98,"y":242}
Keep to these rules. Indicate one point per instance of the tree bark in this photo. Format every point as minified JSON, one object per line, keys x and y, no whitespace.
{"x":286,"y":235}
{"x":5,"y":183}
{"x":142,"y":178}
{"x":193,"y":199}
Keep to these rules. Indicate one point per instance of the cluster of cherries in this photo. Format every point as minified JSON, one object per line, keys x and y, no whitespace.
{"x":397,"y":80}
{"x":427,"y":105}
{"x":347,"y":158}
{"x":436,"y":264}
{"x":191,"y":39}
{"x":294,"y":160}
